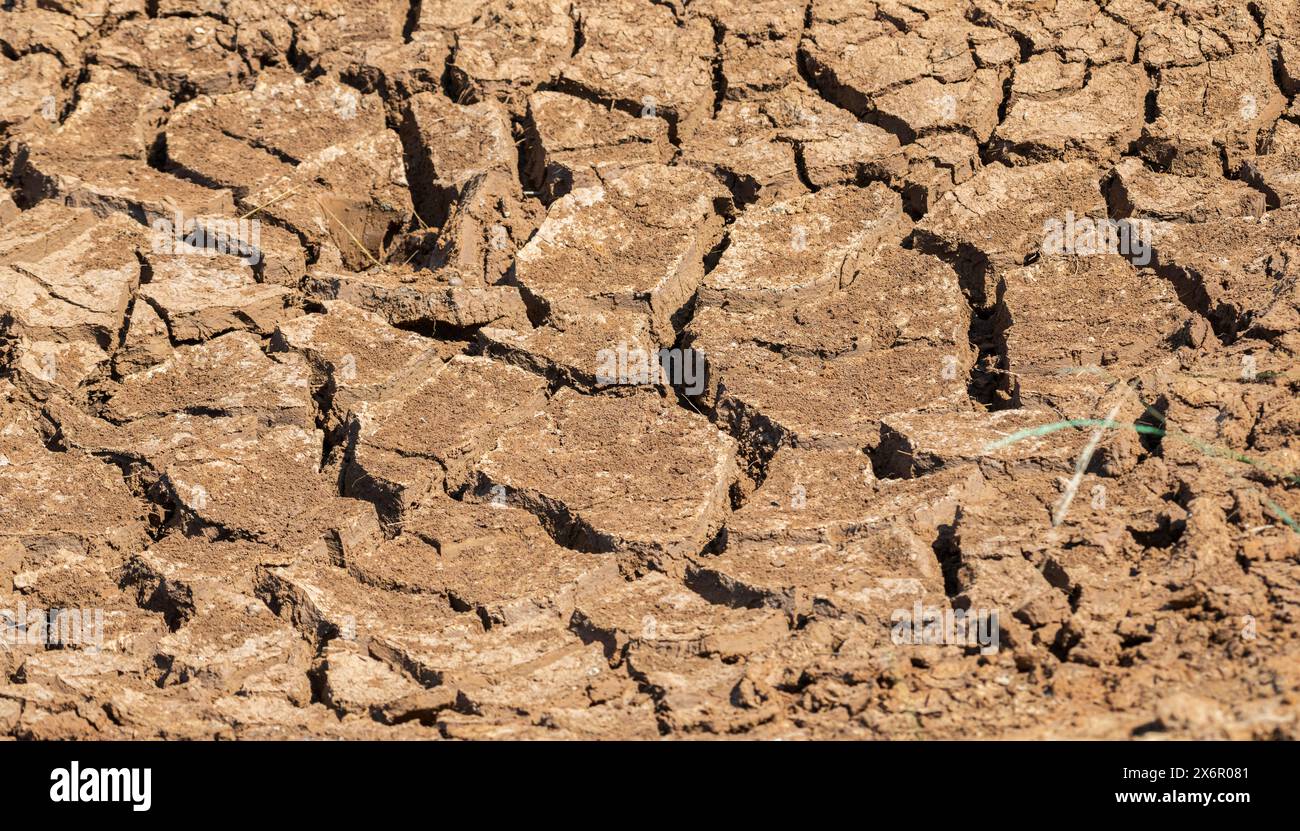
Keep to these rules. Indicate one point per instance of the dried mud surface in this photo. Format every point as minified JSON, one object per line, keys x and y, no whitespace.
{"x":370,"y":483}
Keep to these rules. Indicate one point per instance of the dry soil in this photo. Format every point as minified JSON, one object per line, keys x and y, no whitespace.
{"x":359,"y":467}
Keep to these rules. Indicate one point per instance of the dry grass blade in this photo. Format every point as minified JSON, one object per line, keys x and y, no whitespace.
{"x":348,"y":231}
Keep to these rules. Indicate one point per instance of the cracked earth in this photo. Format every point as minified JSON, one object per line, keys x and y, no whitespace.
{"x":359,"y":474}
